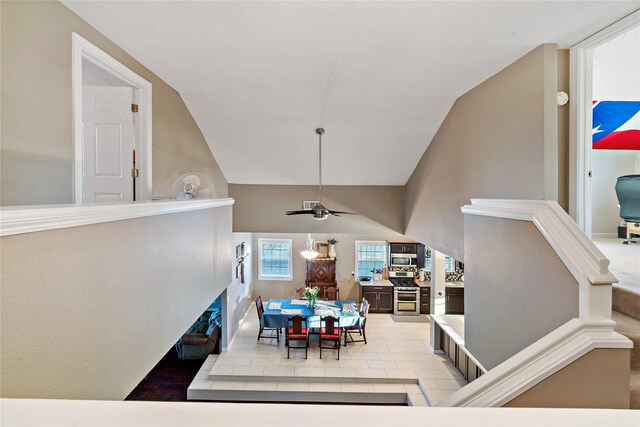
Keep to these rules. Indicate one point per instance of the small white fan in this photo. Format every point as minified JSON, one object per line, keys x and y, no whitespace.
{"x":192,"y":185}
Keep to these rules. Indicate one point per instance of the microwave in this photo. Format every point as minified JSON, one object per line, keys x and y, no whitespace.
{"x":404,"y":260}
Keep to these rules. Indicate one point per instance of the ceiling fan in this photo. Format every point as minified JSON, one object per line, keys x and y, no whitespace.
{"x":319,"y":212}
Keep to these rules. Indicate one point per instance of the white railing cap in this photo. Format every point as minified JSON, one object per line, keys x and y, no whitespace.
{"x":575,"y":249}
{"x":29,"y":219}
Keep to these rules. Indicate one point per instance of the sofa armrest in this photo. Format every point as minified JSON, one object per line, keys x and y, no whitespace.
{"x":193,"y":339}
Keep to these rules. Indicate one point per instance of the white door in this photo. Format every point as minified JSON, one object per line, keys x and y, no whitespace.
{"x":108,"y":143}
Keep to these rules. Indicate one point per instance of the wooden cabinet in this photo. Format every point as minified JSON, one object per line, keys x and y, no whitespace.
{"x":458,"y":356}
{"x":322,"y":273}
{"x":425,"y":300}
{"x":454,"y":301}
{"x":401,"y":248}
{"x":380,"y":298}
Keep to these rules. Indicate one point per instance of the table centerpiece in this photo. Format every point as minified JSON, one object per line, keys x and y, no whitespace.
{"x":311,"y":294}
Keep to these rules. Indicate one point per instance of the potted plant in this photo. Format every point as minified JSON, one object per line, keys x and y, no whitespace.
{"x":332,"y":247}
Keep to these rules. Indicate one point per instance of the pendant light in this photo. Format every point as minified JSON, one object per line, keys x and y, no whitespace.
{"x":309,"y":253}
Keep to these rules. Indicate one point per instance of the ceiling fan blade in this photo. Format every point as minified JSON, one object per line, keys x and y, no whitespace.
{"x":341,"y":213}
{"x":305,"y":212}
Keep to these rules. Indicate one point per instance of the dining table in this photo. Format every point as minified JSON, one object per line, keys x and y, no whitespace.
{"x":277,"y":312}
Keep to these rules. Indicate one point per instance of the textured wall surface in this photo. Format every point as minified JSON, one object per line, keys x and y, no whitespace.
{"x":599,"y":379}
{"x":516,"y":288}
{"x":238,"y":293}
{"x":88,"y":311}
{"x":37,"y":131}
{"x":498,"y":141}
{"x":261,"y":208}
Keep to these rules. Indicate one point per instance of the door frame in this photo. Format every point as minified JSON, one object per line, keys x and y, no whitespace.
{"x":580,"y":121}
{"x":83,"y":49}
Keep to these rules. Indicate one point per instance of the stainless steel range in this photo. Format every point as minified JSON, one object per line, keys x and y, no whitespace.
{"x":406,"y":294}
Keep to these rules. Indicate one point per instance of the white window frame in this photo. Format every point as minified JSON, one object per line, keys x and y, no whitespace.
{"x":368,"y":242}
{"x":281,"y":278}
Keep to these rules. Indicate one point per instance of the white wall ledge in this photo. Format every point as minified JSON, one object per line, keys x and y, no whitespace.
{"x":30,"y":219}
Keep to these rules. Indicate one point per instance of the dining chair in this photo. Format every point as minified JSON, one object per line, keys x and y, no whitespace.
{"x":260,"y":309}
{"x":332,"y":293}
{"x":296,"y":331}
{"x":330,"y":331}
{"x":359,"y":327}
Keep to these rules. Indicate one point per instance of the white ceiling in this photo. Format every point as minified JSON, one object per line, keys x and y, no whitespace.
{"x":380,"y":77}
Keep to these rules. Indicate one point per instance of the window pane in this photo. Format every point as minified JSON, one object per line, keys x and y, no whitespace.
{"x":275,"y":258}
{"x":370,"y":256}
{"x":448,"y":264}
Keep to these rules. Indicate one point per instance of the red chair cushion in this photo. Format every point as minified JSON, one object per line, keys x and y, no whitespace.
{"x":334,"y":336}
{"x":293,"y":337}
{"x":303,"y":332}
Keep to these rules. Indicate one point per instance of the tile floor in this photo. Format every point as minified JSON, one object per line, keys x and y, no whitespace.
{"x":395,"y":366}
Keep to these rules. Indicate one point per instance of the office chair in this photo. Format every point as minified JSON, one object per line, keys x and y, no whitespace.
{"x":628,"y":192}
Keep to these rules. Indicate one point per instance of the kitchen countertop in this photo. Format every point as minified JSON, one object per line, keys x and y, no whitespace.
{"x":384,"y":282}
{"x":447,"y":284}
{"x":381,"y":282}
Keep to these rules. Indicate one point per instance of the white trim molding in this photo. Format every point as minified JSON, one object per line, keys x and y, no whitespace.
{"x":83,"y":49}
{"x":40,"y":218}
{"x":537,"y":362}
{"x":580,"y":118}
{"x":586,"y":263}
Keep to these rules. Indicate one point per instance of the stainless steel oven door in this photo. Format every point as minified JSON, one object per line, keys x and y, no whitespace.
{"x":406,"y":303}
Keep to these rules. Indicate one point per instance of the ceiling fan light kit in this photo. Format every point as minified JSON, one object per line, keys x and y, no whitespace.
{"x":319,"y":212}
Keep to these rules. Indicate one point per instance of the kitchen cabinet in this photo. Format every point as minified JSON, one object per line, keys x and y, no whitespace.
{"x":402,"y":248}
{"x":454,"y":300}
{"x":425,"y":300}
{"x":380,"y":298}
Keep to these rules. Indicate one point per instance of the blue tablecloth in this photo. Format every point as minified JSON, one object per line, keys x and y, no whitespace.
{"x":275,"y":319}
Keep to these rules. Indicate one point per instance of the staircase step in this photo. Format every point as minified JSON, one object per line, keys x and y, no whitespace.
{"x":297,"y":391}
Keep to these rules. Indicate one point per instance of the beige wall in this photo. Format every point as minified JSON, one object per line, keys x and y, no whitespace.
{"x":516,"y":288}
{"x":261,"y":208}
{"x":599,"y":379}
{"x":86,"y":312}
{"x":498,"y":141}
{"x":563,"y":131}
{"x":37,"y":134}
{"x":345,"y":264}
{"x":239,"y":295}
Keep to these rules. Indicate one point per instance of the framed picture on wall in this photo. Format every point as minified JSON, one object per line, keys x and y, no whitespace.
{"x":322,"y":247}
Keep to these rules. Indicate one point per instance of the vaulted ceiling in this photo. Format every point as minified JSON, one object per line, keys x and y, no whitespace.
{"x":380,"y":77}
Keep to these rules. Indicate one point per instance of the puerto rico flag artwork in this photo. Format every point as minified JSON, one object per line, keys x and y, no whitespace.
{"x":616,"y":125}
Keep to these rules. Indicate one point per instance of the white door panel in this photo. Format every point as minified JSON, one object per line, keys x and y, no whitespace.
{"x":109,"y":140}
